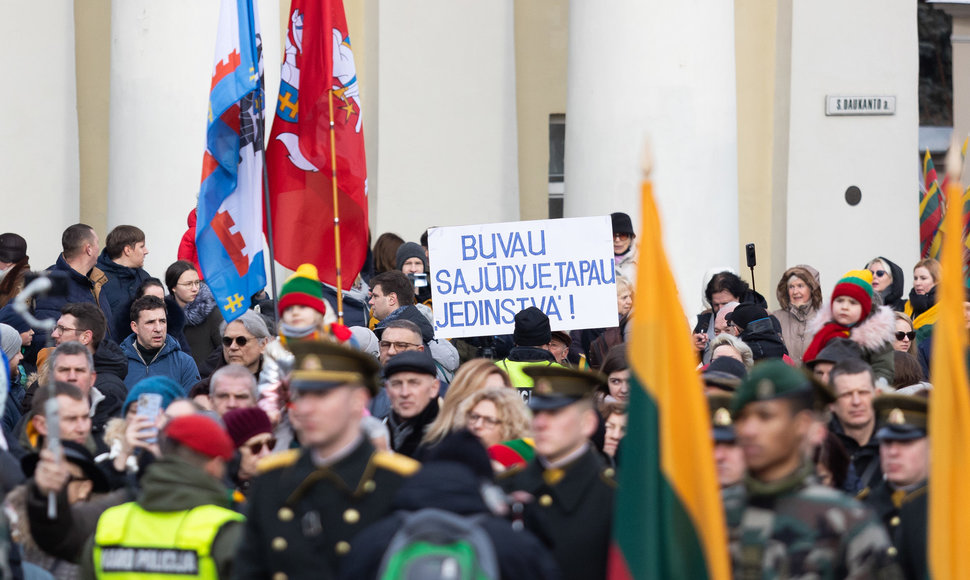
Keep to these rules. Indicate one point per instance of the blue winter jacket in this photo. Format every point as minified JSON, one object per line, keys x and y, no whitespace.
{"x":119,"y":291}
{"x":170,"y":362}
{"x":80,"y":288}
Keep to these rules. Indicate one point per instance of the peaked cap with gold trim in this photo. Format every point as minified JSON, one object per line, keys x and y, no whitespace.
{"x":322,"y":365}
{"x":902,"y":417}
{"x":722,"y":425}
{"x":557,"y":386}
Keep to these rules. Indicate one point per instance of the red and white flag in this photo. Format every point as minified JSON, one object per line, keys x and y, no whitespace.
{"x":318,"y":60}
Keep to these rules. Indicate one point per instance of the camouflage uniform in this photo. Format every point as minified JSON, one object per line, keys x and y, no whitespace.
{"x":794,"y":527}
{"x":797,"y":528}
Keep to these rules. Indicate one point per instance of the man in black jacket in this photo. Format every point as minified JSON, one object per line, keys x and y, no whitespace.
{"x":412,"y":388}
{"x":121,"y":261}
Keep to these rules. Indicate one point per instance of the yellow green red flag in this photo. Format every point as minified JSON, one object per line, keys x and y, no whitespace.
{"x":949,"y":503}
{"x":668,"y":518}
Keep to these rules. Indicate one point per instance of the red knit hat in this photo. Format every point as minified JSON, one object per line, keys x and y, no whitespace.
{"x":202,"y":434}
{"x":244,"y":424}
{"x":856,"y":284}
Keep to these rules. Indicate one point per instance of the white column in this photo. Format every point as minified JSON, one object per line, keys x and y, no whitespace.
{"x":447,"y":153}
{"x":663,"y":70}
{"x":39,"y":163}
{"x":868,"y":49}
{"x":161,"y":70}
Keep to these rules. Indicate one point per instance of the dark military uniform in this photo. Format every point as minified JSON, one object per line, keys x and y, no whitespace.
{"x":303,"y":517}
{"x":794,"y":527}
{"x":904,"y":512}
{"x":572,"y":506}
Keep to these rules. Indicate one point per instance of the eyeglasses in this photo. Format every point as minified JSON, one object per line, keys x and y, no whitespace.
{"x":63,"y":329}
{"x":879,"y":273}
{"x":239,"y":340}
{"x":192,"y":284}
{"x":621,"y":237}
{"x":475,"y":418}
{"x":256,"y":447}
{"x":901,"y":335}
{"x":386,"y":344}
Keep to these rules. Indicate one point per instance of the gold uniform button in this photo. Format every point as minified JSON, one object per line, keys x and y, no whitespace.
{"x":285,"y":514}
{"x":891,"y":551}
{"x":609,"y":472}
{"x":351,"y":516}
{"x":342,"y":548}
{"x":279,"y":576}
{"x":545,"y":500}
{"x":370,"y":486}
{"x":278,"y":544}
{"x":894,"y":521}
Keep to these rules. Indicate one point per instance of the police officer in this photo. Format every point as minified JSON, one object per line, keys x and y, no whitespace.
{"x":181,"y":525}
{"x":308,"y":504}
{"x":533,"y":338}
{"x":778,"y":521}
{"x":900,"y":499}
{"x":569,"y":488}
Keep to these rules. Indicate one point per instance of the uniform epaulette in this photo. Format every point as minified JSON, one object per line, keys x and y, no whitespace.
{"x":399,"y":464}
{"x":278,"y":460}
{"x":863,"y":493}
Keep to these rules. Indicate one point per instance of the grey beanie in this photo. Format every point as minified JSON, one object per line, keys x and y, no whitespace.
{"x":366,"y":340}
{"x":10,"y":341}
{"x":411,"y":250}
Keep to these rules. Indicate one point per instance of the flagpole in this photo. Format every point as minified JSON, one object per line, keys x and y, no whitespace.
{"x":336,"y":211}
{"x":269,"y":213}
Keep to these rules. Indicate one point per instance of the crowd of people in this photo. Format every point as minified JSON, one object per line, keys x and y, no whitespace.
{"x":143,"y":434}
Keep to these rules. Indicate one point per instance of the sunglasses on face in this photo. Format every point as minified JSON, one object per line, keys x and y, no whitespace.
{"x":255,"y":448}
{"x":879,"y":273}
{"x":901,"y":335}
{"x":240,"y":340}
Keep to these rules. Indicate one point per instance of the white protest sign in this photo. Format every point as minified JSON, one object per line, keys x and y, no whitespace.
{"x":482,"y":275}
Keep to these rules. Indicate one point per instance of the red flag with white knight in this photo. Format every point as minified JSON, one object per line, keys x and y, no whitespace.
{"x":318,"y":59}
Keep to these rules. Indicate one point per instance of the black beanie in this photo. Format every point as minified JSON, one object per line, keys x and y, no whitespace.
{"x":745,"y":314}
{"x":461,"y":447}
{"x":410,"y":250}
{"x":622,"y":224}
{"x":532,"y":328}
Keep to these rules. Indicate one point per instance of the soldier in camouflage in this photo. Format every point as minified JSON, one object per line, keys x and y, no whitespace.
{"x":782,"y":522}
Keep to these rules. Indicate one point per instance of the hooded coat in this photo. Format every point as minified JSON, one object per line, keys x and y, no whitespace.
{"x":894,"y":295}
{"x":874,"y":335}
{"x":794,"y":319}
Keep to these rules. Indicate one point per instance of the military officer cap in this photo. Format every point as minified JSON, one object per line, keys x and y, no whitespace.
{"x":556,"y":386}
{"x":722,"y":426}
{"x":903,"y":417}
{"x":322,"y":365}
{"x":769,"y":380}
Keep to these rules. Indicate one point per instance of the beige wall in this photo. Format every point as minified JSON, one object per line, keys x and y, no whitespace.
{"x":755,"y":46}
{"x":541,"y":37}
{"x":960,"y":39}
{"x":92,"y":45}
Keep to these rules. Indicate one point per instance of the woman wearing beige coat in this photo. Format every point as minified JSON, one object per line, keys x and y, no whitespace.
{"x":800,"y":296}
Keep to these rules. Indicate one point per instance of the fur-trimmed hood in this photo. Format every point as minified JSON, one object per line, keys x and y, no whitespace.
{"x":198,"y":310}
{"x":871,"y":334}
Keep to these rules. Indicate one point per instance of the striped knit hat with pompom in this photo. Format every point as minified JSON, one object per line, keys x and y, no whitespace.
{"x":856,"y":284}
{"x":303,"y":288}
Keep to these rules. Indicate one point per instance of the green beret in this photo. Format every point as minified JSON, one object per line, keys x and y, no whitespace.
{"x":769,"y":380}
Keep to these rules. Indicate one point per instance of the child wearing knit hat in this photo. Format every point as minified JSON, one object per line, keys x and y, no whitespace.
{"x":850,"y":314}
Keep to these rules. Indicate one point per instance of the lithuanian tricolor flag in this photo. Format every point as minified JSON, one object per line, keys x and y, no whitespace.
{"x":949,"y":511}
{"x":668,"y":519}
